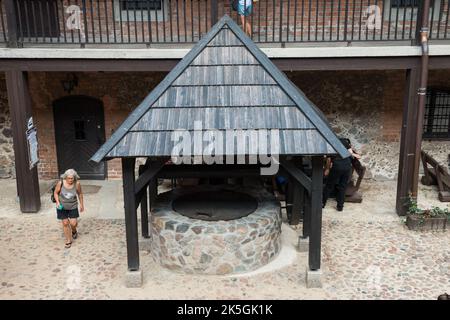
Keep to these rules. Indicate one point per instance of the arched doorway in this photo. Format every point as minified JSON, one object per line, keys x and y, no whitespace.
{"x":79,"y":132}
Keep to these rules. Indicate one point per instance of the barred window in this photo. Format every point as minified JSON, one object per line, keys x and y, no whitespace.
{"x":437,"y":115}
{"x":141,"y":4}
{"x":405,"y":3}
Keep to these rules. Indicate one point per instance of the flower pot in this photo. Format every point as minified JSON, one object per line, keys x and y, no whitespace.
{"x":418,"y":222}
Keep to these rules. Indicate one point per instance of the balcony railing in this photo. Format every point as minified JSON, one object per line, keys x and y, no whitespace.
{"x":151,"y":22}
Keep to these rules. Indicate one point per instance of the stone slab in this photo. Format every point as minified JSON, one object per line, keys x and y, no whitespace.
{"x":313,"y":278}
{"x":133,"y":279}
{"x":145,"y":244}
{"x":303,"y":244}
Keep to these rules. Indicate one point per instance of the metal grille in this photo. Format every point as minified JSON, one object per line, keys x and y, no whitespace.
{"x":404,"y":3}
{"x":437,"y":115}
{"x":141,"y":4}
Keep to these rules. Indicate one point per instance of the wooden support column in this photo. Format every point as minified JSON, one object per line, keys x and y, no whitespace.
{"x":406,"y":167}
{"x":297,"y":203}
{"x":316,"y":213}
{"x":289,"y":196}
{"x":306,"y":215}
{"x":20,"y":108}
{"x":130,"y":213}
{"x":153,"y":192}
{"x":144,"y":209}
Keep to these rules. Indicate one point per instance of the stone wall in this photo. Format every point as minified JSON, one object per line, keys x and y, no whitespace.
{"x":6,"y":141}
{"x":367,"y":108}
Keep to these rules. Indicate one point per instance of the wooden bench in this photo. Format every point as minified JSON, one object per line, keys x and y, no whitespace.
{"x":352,"y":193}
{"x":436,"y":174}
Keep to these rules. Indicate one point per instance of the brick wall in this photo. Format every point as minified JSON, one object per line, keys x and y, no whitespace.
{"x":119,"y":92}
{"x":364,"y":106}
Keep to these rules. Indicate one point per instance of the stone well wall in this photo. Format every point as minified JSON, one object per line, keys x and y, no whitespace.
{"x":197,"y":246}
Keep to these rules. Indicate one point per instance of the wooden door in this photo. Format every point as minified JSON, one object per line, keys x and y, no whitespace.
{"x":79,"y":133}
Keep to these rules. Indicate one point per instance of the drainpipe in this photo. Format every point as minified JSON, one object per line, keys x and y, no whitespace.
{"x":422,"y":91}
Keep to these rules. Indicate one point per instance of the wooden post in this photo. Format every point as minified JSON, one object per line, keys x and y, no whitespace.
{"x":406,"y":167}
{"x":153,"y":192}
{"x":316,"y":213}
{"x":289,"y":196}
{"x":20,"y":108}
{"x":306,"y":214}
{"x":297,"y":203}
{"x":12,"y":23}
{"x":144,"y":210}
{"x":129,"y":200}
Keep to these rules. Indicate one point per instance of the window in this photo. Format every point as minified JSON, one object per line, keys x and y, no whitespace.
{"x":80,"y":133}
{"x":140,"y":10}
{"x":399,"y":6}
{"x":141,"y":4}
{"x":437,"y":115}
{"x":404,"y":3}
{"x":37,"y":18}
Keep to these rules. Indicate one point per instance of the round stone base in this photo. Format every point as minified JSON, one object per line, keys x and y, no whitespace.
{"x":215,"y":247}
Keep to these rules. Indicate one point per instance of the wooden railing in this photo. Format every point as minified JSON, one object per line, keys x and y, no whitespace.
{"x":149,"y":22}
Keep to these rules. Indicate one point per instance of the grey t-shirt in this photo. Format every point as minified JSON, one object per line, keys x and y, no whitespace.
{"x":68,"y":197}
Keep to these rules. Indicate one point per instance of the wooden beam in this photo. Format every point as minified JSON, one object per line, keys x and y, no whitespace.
{"x":144,"y":208}
{"x":130,"y":213}
{"x":166,"y":65}
{"x":20,"y":109}
{"x":315,"y":237}
{"x":148,"y":173}
{"x":346,"y":63}
{"x":439,"y":62}
{"x":297,"y":174}
{"x":209,"y":171}
{"x":88,"y":65}
{"x":408,"y":142}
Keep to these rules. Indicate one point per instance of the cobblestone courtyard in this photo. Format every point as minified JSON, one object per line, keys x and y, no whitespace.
{"x":367,"y":253}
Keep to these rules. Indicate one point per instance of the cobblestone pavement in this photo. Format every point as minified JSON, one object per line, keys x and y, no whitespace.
{"x":367,"y":253}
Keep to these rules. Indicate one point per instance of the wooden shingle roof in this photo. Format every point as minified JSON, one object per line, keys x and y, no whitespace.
{"x":226,"y":82}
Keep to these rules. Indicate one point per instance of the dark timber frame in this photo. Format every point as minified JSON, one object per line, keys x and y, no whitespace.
{"x":145,"y":132}
{"x":307,"y":195}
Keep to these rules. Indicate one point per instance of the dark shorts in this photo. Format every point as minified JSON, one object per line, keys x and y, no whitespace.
{"x":67,"y":214}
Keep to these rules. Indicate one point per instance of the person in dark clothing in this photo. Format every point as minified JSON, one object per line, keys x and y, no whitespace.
{"x":338,"y":176}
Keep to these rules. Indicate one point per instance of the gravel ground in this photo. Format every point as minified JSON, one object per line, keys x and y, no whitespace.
{"x":367,"y":253}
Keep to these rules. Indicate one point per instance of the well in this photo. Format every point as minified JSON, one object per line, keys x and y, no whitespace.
{"x":211,"y":242}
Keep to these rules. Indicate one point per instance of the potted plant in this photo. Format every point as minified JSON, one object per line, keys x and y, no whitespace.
{"x":426,"y":219}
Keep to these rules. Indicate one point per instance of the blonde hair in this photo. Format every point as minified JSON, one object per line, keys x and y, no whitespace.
{"x":70,"y":172}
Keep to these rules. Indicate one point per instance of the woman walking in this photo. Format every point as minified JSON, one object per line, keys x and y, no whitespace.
{"x":69,"y":198}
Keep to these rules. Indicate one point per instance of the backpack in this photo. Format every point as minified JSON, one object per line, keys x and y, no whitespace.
{"x":52,"y":197}
{"x":234,"y":4}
